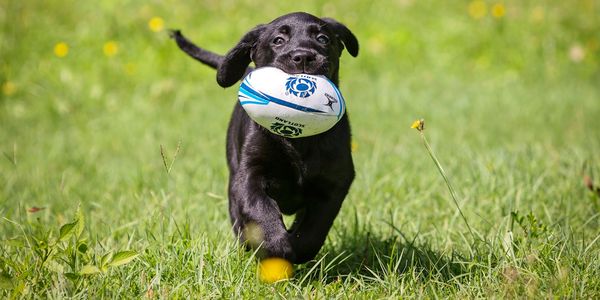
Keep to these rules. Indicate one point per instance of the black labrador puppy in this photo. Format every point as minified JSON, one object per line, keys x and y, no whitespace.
{"x":271,"y":175}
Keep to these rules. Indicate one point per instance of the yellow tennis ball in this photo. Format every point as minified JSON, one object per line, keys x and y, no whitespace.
{"x":274,"y":269}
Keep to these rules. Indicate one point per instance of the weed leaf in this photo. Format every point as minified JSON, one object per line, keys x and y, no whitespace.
{"x":67,"y":230}
{"x":6,"y":282}
{"x":89,"y":270}
{"x":508,"y":244}
{"x":82,"y":247}
{"x":106,"y":258}
{"x":15,"y":242}
{"x":123,"y":257}
{"x":79,"y":219}
{"x":72,"y":276}
{"x":54,"y":266}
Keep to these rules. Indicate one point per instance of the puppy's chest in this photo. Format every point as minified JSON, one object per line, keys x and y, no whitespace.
{"x":301,"y":166}
{"x":301,"y":178}
{"x":310,"y":163}
{"x":298,"y":183}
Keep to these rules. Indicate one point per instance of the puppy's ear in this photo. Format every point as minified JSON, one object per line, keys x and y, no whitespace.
{"x":344,"y":34}
{"x":235,"y":62}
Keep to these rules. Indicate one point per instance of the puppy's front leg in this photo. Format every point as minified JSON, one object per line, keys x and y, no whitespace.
{"x":311,"y":227}
{"x":251,"y":206}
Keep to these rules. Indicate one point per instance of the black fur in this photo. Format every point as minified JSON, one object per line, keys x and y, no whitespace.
{"x":271,"y":175}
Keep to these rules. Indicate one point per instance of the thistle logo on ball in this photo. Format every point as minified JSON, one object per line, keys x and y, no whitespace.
{"x":300,"y":87}
{"x":286,"y":130}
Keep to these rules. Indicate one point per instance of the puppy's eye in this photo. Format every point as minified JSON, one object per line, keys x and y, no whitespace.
{"x":323,"y":39}
{"x":278,"y":40}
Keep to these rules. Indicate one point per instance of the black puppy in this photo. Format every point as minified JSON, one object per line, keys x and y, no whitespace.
{"x":271,"y":174}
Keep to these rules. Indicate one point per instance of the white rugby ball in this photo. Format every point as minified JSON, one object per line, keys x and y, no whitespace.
{"x":291,"y":105}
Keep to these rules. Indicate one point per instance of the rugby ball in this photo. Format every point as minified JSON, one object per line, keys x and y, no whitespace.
{"x":291,"y":105}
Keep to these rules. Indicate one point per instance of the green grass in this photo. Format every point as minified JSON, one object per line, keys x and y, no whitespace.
{"x":512,"y":113}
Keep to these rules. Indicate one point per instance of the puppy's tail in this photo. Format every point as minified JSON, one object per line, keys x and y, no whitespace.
{"x":204,"y":56}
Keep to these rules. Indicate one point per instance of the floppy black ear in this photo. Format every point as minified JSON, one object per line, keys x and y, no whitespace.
{"x":344,"y":34}
{"x":234,"y":65}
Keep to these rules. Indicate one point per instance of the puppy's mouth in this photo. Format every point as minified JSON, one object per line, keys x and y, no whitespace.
{"x":318,"y":66}
{"x":310,"y":70}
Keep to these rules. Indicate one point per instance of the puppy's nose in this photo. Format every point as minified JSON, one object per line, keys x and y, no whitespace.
{"x":301,"y":57}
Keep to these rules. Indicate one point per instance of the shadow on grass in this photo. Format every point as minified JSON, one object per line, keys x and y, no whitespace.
{"x":373,"y":256}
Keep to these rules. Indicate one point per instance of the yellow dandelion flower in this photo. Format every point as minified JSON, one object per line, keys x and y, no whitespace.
{"x":110,"y":48}
{"x":498,"y":10}
{"x":130,"y":68}
{"x":274,"y":269}
{"x":477,"y":9}
{"x":9,"y":88}
{"x":418,"y":124}
{"x":354,"y":146}
{"x":537,"y":14}
{"x":156,"y":24}
{"x":61,"y":49}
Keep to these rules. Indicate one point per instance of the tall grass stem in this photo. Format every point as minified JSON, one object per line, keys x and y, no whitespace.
{"x":420,"y":128}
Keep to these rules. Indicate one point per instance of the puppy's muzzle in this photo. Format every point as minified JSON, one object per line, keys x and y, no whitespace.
{"x":302,"y":58}
{"x":304,"y":61}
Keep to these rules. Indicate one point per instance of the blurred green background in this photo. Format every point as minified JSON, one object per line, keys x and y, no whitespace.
{"x":510,"y":91}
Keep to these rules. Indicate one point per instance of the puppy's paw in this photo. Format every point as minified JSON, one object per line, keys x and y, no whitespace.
{"x":280,"y":247}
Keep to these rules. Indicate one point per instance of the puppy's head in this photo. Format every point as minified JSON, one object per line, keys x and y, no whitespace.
{"x":294,"y":43}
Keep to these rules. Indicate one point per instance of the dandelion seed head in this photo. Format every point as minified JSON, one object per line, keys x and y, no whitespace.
{"x":576,"y":53}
